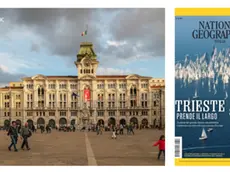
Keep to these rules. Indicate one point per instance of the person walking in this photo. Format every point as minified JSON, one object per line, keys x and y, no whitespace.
{"x":13,"y":133}
{"x":161,"y":143}
{"x":25,"y":134}
{"x":97,"y":129}
{"x":128,"y":129}
{"x":121,"y":129}
{"x":114,"y":136}
{"x":47,"y":129}
{"x":131,"y":129}
{"x":101,"y":129}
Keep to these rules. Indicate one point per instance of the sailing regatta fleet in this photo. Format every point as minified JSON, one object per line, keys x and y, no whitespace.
{"x":212,"y":69}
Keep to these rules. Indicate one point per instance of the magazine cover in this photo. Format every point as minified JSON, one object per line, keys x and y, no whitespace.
{"x":202,"y":71}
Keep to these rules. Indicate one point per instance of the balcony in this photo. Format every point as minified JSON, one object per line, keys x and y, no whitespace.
{"x":112,"y":108}
{"x":100,"y":108}
{"x":133,"y":97}
{"x":41,"y":97}
{"x":39,"y":108}
{"x":63,"y":108}
{"x":74,"y":108}
{"x":50,"y":108}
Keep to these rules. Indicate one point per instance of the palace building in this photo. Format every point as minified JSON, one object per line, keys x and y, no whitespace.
{"x":84,"y":99}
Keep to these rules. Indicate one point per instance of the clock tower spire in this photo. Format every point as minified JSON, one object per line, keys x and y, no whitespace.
{"x":86,"y":62}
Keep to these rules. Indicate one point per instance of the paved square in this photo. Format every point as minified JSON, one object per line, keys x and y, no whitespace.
{"x":84,"y":148}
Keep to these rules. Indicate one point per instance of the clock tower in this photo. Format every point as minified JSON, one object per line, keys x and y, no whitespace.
{"x":86,"y":62}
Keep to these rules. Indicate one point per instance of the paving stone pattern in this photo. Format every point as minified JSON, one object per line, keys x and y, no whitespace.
{"x":60,"y":148}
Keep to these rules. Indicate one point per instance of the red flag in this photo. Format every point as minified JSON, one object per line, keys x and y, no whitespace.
{"x":87,"y":94}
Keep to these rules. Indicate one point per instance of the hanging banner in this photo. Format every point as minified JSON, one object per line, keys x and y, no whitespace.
{"x":87,"y":95}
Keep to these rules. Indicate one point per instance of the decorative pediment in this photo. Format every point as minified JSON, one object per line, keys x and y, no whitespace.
{"x":133,"y":76}
{"x":39,"y":77}
{"x":88,"y":77}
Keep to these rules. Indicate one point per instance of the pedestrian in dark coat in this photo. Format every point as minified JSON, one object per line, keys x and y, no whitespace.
{"x":13,"y":133}
{"x":25,"y":134}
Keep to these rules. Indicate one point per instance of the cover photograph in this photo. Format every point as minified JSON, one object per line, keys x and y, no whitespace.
{"x":202,"y":73}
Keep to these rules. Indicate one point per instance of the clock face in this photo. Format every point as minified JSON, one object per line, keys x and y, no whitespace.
{"x":87,"y":63}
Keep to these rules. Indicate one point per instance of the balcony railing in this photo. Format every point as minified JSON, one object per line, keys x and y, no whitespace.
{"x":133,"y":97}
{"x":111,"y":108}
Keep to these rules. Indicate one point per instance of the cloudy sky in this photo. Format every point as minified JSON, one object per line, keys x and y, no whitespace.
{"x":46,"y":41}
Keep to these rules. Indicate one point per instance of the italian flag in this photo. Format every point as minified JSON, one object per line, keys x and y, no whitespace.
{"x":84,"y":33}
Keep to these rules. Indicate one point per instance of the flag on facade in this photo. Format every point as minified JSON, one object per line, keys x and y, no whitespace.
{"x":87,"y":94}
{"x":75,"y":95}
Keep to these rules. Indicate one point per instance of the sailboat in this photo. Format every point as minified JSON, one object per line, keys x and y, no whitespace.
{"x":195,"y":95}
{"x":214,"y":87}
{"x":203,"y":135}
{"x":203,"y":84}
{"x":210,"y":130}
{"x":209,"y":85}
{"x":226,"y":95}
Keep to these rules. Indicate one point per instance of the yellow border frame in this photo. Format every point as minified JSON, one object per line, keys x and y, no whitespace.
{"x":202,"y":12}
{"x":202,"y":161}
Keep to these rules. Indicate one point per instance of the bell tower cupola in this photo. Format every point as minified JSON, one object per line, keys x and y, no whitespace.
{"x":86,"y":62}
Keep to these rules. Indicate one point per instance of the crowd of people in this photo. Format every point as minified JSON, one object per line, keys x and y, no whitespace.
{"x":16,"y":131}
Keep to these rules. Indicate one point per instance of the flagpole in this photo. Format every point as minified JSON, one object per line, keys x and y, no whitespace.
{"x":86,"y":32}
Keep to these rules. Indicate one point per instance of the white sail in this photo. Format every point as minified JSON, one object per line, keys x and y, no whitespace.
{"x":214,"y":87}
{"x":195,"y":95}
{"x":226,"y":95}
{"x":203,"y":135}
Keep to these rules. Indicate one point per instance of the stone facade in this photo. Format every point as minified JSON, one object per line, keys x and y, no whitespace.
{"x":65,"y":100}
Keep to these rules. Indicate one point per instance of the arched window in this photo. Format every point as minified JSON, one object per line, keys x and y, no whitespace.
{"x":92,"y":71}
{"x":131,"y":91}
{"x":81,"y":71}
{"x":135,"y":91}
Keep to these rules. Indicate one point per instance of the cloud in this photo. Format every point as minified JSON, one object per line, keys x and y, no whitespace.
{"x":6,"y":77}
{"x":116,"y":44}
{"x":60,"y":29}
{"x":35,"y":47}
{"x":120,"y":36}
{"x":4,"y":68}
{"x":12,"y":63}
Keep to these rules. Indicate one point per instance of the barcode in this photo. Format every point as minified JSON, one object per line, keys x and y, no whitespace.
{"x":178,"y":147}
